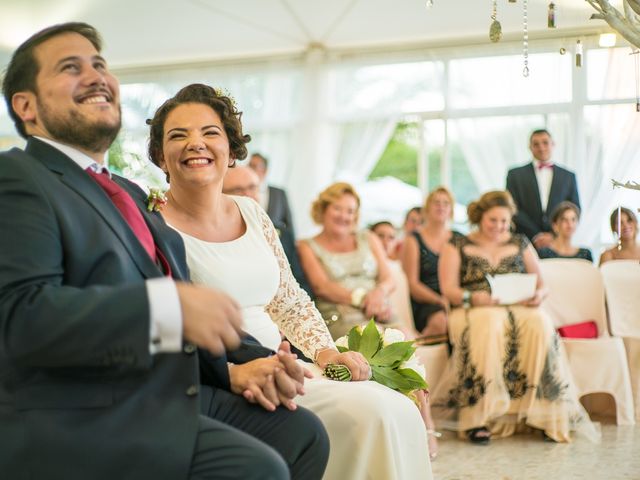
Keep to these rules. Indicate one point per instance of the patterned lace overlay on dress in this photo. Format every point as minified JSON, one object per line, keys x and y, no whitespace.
{"x":291,"y":308}
{"x":550,"y":387}
{"x":514,"y":378}
{"x":471,"y":386}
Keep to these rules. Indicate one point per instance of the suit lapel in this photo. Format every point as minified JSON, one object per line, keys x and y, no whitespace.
{"x":79,"y":181}
{"x":162,"y":234}
{"x":556,"y":183}
{"x":535,"y":189}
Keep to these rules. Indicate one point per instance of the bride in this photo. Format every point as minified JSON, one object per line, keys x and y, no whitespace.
{"x":375,"y":432}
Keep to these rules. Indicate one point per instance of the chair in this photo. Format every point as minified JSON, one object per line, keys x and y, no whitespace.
{"x":622,"y":287}
{"x":576,"y":294}
{"x":433,"y":357}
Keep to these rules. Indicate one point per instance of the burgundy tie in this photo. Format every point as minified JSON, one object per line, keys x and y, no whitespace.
{"x":127,"y":207}
{"x":545,"y":165}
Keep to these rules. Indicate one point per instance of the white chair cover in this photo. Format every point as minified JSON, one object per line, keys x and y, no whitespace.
{"x":576,"y":294}
{"x":622,"y":286}
{"x":433,"y":357}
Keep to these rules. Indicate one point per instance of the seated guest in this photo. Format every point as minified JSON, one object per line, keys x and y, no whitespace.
{"x":626,"y":228}
{"x":347,"y":269}
{"x":412,"y":222}
{"x":420,"y":263}
{"x":507,"y":370}
{"x":231,"y":243}
{"x":564,"y":221}
{"x":399,"y":298}
{"x":386,"y":232}
{"x":243,"y":181}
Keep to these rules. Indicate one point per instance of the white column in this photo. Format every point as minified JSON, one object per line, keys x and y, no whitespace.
{"x":314,"y":142}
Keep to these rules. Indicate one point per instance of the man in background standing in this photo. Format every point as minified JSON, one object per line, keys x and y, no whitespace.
{"x":272,"y":199}
{"x":538,"y":187}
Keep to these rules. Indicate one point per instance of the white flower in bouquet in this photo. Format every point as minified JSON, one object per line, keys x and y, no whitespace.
{"x":414,"y":364}
{"x":392,"y":335}
{"x":343,"y":342}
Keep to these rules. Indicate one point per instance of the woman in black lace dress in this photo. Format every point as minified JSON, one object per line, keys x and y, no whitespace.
{"x":508,"y":370}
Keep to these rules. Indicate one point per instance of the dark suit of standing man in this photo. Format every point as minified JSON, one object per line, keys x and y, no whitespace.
{"x":98,"y":360}
{"x":538,"y":187}
{"x":273,"y":199}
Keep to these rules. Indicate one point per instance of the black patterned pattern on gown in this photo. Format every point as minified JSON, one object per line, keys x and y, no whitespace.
{"x":550,"y":387}
{"x":514,"y":378}
{"x":471,"y":386}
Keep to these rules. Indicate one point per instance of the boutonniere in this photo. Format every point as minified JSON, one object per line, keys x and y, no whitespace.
{"x":156,"y":200}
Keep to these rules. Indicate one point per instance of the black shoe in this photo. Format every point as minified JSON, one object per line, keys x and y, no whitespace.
{"x":479,"y":436}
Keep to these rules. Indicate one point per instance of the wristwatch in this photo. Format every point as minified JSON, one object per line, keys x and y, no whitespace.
{"x":357,"y":296}
{"x":466,"y":298}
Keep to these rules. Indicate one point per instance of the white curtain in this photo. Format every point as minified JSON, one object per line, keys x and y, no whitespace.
{"x":613,"y":152}
{"x":361,"y":145}
{"x":493,"y":145}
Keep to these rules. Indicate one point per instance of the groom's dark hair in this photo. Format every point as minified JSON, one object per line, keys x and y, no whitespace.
{"x":21,"y":73}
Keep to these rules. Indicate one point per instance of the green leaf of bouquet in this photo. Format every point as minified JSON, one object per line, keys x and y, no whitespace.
{"x":413,"y":377}
{"x":391,"y":378}
{"x":354,"y":339}
{"x":370,"y":341}
{"x":392,"y":354}
{"x":407,"y":355}
{"x":342,"y":349}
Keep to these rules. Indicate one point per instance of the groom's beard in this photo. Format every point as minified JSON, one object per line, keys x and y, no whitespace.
{"x":75,"y":130}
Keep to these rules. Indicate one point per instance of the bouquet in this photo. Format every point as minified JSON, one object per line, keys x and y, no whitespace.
{"x":392,"y":359}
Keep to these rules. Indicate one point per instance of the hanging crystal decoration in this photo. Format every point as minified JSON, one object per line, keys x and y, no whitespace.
{"x":551,"y":16}
{"x":578,"y":54}
{"x":495,"y":30}
{"x":525,"y":39}
{"x":429,"y":3}
{"x":636,"y":54}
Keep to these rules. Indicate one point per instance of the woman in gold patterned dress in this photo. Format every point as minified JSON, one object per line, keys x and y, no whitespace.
{"x":507,"y":371}
{"x":346,"y":268}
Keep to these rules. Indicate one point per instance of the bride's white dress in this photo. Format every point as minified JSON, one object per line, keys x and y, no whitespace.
{"x":375,"y":432}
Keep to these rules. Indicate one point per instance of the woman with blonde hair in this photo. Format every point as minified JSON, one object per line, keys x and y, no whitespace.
{"x":346,"y":268}
{"x":507,"y":371}
{"x":349,"y":274}
{"x":420,"y":263}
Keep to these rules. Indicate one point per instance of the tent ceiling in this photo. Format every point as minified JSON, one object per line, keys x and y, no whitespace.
{"x":156,"y":32}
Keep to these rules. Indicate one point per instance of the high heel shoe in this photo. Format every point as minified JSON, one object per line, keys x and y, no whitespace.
{"x":432,"y":441}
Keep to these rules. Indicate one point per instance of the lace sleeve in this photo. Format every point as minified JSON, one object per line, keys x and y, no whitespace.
{"x":291,"y":308}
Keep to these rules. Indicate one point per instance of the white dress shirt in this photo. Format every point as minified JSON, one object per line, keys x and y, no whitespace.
{"x":165,"y":326}
{"x":544,"y":176}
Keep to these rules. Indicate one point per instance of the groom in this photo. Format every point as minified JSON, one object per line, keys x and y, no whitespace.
{"x":98,"y":329}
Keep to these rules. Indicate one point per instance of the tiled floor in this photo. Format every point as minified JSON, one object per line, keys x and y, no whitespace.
{"x":527,"y":457}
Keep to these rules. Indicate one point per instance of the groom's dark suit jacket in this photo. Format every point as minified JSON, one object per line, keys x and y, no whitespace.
{"x":80,"y":395}
{"x":523,"y":186}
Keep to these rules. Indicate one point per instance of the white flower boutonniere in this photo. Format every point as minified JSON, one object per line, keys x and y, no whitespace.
{"x":156,"y":200}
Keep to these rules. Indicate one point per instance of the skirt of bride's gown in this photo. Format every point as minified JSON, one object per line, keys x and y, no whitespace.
{"x":375,"y":432}
{"x":508,"y":372}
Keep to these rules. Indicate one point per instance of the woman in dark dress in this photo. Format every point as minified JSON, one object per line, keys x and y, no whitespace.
{"x":420,"y":263}
{"x":564,"y":221}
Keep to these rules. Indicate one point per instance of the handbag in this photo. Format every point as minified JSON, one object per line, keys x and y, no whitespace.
{"x":588,"y":329}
